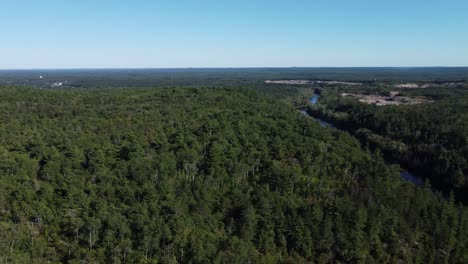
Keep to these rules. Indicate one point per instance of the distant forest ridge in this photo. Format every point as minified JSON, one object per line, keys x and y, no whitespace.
{"x":91,"y":78}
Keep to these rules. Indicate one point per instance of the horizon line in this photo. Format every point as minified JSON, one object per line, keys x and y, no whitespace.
{"x":226,"y":67}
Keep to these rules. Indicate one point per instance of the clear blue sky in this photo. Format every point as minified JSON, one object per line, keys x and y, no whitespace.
{"x":236,"y":33}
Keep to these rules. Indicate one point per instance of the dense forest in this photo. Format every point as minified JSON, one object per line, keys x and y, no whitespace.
{"x":429,"y":139}
{"x":216,"y":77}
{"x":205,"y":175}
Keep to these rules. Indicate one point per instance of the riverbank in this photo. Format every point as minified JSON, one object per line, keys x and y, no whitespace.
{"x":405,"y":174}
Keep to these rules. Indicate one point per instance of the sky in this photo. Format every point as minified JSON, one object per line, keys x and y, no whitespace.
{"x":52,"y":34}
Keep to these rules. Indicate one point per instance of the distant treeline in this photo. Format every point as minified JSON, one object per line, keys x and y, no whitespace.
{"x":234,"y":77}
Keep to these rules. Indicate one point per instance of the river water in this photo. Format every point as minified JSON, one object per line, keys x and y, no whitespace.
{"x":406,"y":175}
{"x":314,"y":99}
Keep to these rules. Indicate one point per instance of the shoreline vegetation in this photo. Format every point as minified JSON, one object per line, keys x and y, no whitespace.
{"x":423,"y":130}
{"x":405,"y":174}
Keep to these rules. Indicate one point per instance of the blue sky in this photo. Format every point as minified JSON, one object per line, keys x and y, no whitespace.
{"x":241,"y":33}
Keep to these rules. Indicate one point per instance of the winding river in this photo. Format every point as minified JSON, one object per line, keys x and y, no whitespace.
{"x":406,"y":175}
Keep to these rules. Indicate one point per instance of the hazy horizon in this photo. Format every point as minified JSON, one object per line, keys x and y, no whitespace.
{"x":220,"y":68}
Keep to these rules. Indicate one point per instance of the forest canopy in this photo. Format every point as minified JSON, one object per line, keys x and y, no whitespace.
{"x":202,"y":175}
{"x":431,"y":139}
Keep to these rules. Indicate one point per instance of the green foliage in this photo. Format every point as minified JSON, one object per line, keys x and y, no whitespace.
{"x":199,"y":176}
{"x":429,"y":139}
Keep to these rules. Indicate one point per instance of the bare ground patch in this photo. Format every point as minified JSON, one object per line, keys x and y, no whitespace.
{"x":393,"y":99}
{"x":299,"y":82}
